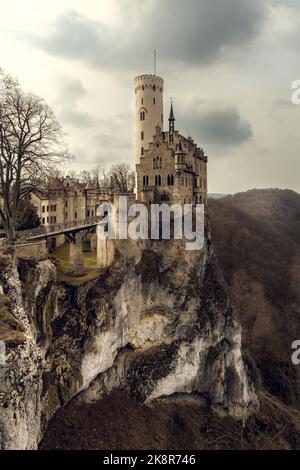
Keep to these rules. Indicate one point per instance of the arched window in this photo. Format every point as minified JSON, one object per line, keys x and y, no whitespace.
{"x":168,"y":180}
{"x":157,"y":162}
{"x":160,"y":162}
{"x":153,"y":100}
{"x":142,"y":116}
{"x":172,"y":180}
{"x":164,"y":197}
{"x":154,"y":87}
{"x":157,"y":180}
{"x":154,"y":163}
{"x":143,"y":88}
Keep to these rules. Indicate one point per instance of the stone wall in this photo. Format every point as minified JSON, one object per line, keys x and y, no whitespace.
{"x":31,"y":250}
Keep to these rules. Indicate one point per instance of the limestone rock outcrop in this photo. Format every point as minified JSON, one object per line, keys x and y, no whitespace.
{"x":156,"y":323}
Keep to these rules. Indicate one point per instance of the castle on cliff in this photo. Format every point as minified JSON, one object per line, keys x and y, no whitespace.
{"x":169,"y":167}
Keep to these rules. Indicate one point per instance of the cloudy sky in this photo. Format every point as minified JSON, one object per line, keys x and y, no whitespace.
{"x":228,"y":64}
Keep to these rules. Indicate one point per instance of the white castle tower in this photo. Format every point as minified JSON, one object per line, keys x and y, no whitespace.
{"x":148,"y":110}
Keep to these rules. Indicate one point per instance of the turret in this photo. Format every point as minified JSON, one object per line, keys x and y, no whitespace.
{"x":148,"y":110}
{"x":180,"y":158}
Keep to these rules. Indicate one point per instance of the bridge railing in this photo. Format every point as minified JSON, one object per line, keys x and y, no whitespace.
{"x":59,"y":227}
{"x":72,"y":224}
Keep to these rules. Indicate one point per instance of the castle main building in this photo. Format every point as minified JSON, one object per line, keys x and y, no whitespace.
{"x":169,"y":166}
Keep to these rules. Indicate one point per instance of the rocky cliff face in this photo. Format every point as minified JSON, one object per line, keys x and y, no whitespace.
{"x":156,"y":323}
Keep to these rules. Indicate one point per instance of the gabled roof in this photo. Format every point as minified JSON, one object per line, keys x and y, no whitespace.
{"x":56,"y":184}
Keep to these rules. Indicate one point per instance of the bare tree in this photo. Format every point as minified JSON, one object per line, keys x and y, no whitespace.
{"x":85,"y":176}
{"x":30,"y":147}
{"x":122,"y":177}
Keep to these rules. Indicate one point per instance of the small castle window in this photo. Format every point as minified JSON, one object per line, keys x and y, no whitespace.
{"x":154,"y":163}
{"x":157,"y":180}
{"x":142,"y":135}
{"x":160,"y":162}
{"x":153,"y":100}
{"x":142,"y":151}
{"x":154,"y":88}
{"x":170,"y":180}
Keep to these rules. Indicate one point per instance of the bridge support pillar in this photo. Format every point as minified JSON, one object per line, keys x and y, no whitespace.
{"x":105,"y":252}
{"x":76,"y":258}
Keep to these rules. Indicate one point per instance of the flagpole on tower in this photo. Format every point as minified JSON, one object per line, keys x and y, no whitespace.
{"x":154,"y":61}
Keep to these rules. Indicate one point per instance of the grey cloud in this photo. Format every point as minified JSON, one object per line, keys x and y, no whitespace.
{"x":71,"y":116}
{"x":220,"y":125}
{"x":70,"y":89}
{"x":194,"y":32}
{"x":110,"y":141}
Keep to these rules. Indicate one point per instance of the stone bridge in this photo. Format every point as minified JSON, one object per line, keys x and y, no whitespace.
{"x":32,"y":242}
{"x":53,"y":230}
